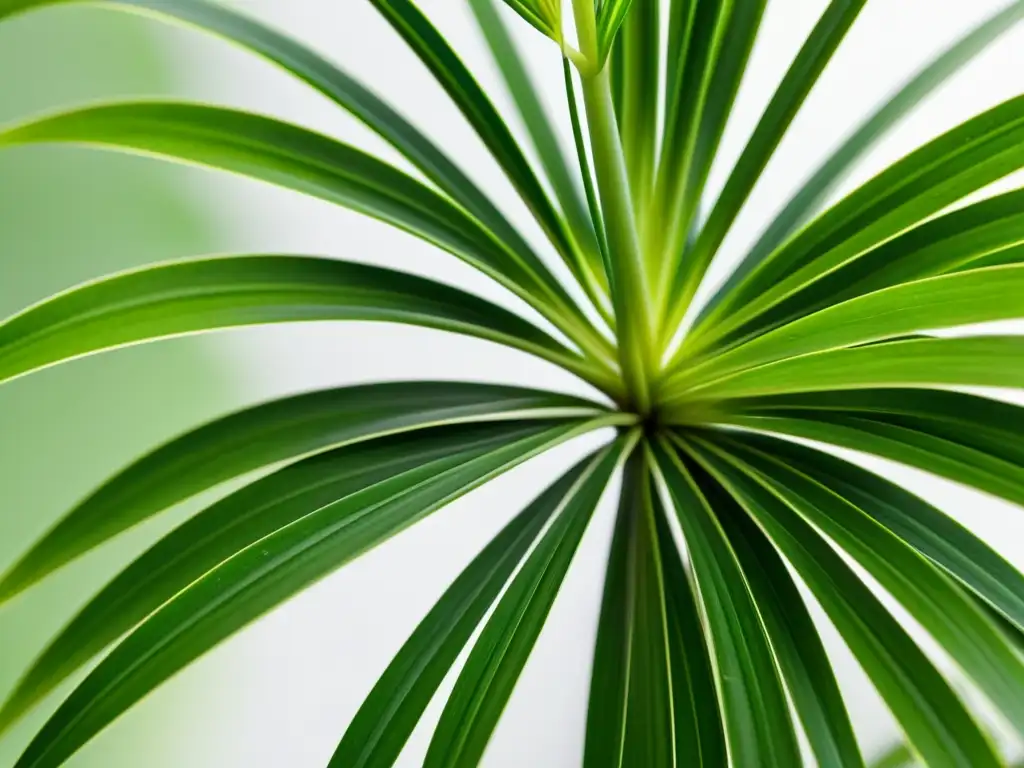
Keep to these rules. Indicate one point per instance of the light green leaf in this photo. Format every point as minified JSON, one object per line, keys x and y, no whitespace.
{"x":228,"y":292}
{"x":640,"y":41}
{"x":929,"y":595}
{"x":935,"y":721}
{"x":588,"y":266}
{"x":946,"y":301}
{"x":802,"y":75}
{"x":264,"y":435}
{"x":262,"y":576}
{"x":610,"y":16}
{"x":831,"y":173}
{"x":899,"y":756}
{"x":968,"y":439}
{"x":931,"y":532}
{"x":992,"y":361}
{"x":794,"y":639}
{"x":292,"y":157}
{"x":500,"y":653}
{"x":630,"y":715}
{"x":947,"y":169}
{"x":387,"y":717}
{"x":754,"y":707}
{"x":457,"y":80}
{"x":544,"y":15}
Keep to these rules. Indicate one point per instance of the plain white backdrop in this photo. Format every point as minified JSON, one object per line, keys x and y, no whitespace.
{"x":300,"y":673}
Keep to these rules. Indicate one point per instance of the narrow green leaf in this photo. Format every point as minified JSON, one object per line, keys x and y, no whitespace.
{"x":899,"y":756}
{"x":500,"y":653}
{"x":835,"y":168}
{"x":198,"y":295}
{"x":229,"y":526}
{"x":292,"y":157}
{"x":699,"y":734}
{"x":638,"y":120}
{"x":984,"y":361}
{"x":935,"y":721}
{"x":931,"y":532}
{"x":538,"y":14}
{"x":327,"y":78}
{"x":457,"y":80}
{"x":630,"y":715}
{"x":802,"y":75}
{"x":610,"y":17}
{"x":798,"y":649}
{"x":259,"y":578}
{"x":266,"y":434}
{"x":968,"y":439}
{"x":588,"y":267}
{"x":946,"y":301}
{"x":387,"y":717}
{"x":928,"y":594}
{"x":947,"y":169}
{"x":757,"y":724}
{"x":987,"y":233}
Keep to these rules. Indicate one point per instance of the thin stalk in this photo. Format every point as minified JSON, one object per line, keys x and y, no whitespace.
{"x":629,"y":295}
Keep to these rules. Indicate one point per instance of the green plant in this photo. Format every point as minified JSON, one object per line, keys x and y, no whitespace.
{"x":821,"y":333}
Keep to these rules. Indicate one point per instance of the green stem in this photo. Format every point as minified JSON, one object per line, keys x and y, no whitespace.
{"x":629,"y":287}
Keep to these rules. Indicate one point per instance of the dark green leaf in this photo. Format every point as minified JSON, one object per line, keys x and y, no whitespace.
{"x":935,"y":721}
{"x":638,"y":118}
{"x":262,"y":576}
{"x":389,"y":714}
{"x":757,"y":724}
{"x":499,"y":655}
{"x":264,"y":435}
{"x":798,"y":649}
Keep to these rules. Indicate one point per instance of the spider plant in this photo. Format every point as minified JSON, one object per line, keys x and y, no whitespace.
{"x":706,"y":652}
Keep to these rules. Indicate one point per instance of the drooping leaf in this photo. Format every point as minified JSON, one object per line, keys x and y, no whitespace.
{"x":264,"y":435}
{"x":293,"y":157}
{"x":794,"y":639}
{"x":943,"y":171}
{"x":387,"y":716}
{"x":928,"y":710}
{"x":262,"y":576}
{"x":968,"y":439}
{"x":797,"y":83}
{"x":630,"y":714}
{"x":929,"y":595}
{"x":756,"y":715}
{"x":946,"y":301}
{"x":229,"y":526}
{"x":835,"y":168}
{"x":228,"y":292}
{"x":486,"y":681}
{"x":931,"y":532}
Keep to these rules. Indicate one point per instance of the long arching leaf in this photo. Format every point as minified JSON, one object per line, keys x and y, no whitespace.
{"x":311,"y":163}
{"x":229,"y":526}
{"x":754,"y":708}
{"x":228,"y":292}
{"x":266,"y":434}
{"x":500,"y":653}
{"x":387,"y":717}
{"x":928,"y":710}
{"x":830,"y":174}
{"x":947,"y":169}
{"x":264,"y":575}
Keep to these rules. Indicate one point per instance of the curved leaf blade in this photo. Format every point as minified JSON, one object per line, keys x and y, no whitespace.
{"x":266,"y":434}
{"x":831,"y":173}
{"x":935,"y":721}
{"x":500,"y":653}
{"x":387,"y":717}
{"x":261,"y":577}
{"x":757,"y":725}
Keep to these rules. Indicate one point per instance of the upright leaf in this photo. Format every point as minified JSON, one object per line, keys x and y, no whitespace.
{"x":500,"y":653}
